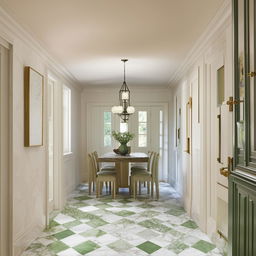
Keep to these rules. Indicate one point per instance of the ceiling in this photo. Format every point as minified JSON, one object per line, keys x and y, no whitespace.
{"x":89,"y":37}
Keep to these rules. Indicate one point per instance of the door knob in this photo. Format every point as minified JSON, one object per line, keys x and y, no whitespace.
{"x":224,"y":171}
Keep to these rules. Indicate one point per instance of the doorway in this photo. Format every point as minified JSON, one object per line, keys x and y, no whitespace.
{"x":53,"y":123}
{"x":5,"y":196}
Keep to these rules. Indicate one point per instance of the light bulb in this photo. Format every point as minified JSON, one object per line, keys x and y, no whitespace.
{"x":120,"y":109}
{"x":130,"y":109}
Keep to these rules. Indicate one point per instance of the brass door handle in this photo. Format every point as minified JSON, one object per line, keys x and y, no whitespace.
{"x":232,"y":102}
{"x":224,"y":171}
{"x":252,"y":74}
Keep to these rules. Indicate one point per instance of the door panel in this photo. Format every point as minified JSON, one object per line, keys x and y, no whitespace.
{"x":242,"y":212}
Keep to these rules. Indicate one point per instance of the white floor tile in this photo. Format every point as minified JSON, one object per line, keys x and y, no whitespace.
{"x":62,"y":219}
{"x":73,"y":240}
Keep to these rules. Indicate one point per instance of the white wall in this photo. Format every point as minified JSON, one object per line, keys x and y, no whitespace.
{"x":109,"y":97}
{"x":196,"y":175}
{"x":29,"y":169}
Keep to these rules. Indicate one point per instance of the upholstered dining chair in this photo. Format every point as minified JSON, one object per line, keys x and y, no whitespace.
{"x":147,"y":176}
{"x":101,"y":177}
{"x":141,"y":168}
{"x":105,"y":168}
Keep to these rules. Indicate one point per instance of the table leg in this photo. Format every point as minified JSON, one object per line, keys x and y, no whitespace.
{"x":122,"y":168}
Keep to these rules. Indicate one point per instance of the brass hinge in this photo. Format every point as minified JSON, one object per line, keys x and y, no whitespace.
{"x":225,"y":171}
{"x":232,"y":102}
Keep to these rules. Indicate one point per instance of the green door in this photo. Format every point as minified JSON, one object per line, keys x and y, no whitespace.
{"x":242,"y":181}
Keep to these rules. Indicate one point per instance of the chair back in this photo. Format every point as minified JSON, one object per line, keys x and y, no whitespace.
{"x":150,"y":155}
{"x":92,"y":167}
{"x":155,"y":166}
{"x":95,"y":157}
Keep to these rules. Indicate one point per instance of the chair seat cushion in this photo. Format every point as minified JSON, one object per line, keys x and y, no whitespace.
{"x":101,"y":173}
{"x":143,"y":173}
{"x":108,"y":169}
{"x":138,"y":169}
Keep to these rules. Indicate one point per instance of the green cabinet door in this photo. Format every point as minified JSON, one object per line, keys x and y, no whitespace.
{"x":242,"y":181}
{"x":243,"y":216}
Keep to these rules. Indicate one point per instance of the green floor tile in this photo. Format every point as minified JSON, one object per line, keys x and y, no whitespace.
{"x":52,"y":225}
{"x":149,"y":247}
{"x":156,"y":225}
{"x":63,"y":234}
{"x":97,"y":222}
{"x":145,"y":206}
{"x":93,"y":233}
{"x":72,"y":224}
{"x":190,"y":224}
{"x":149,"y":214}
{"x":57,"y":247}
{"x":175,"y":212}
{"x":177,"y":247}
{"x":86,"y":247}
{"x":204,"y":246}
{"x":82,"y":198}
{"x":125,"y":213}
{"x":120,"y":245}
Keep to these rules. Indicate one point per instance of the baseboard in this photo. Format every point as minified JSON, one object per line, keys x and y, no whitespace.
{"x":26,"y":238}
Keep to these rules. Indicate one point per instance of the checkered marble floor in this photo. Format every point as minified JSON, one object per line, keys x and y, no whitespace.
{"x":97,"y":227}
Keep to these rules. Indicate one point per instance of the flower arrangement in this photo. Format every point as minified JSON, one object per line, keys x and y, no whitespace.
{"x":123,"y":137}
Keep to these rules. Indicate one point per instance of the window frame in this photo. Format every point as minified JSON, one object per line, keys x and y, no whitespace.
{"x":67,"y":150}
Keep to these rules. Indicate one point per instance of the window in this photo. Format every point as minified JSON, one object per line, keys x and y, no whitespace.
{"x":142,"y":129}
{"x":66,"y":120}
{"x":107,"y":129}
{"x":161,"y":132}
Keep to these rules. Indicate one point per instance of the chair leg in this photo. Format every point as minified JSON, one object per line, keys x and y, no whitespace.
{"x":144,"y":184}
{"x":93,"y":185}
{"x":90,"y":187}
{"x":97,"y":189}
{"x":148,"y":187}
{"x":139,"y":188}
{"x":134,"y":188}
{"x":110,"y":187}
{"x":114,"y":189}
{"x":131,"y":184}
{"x":157,"y":190}
{"x":101,"y":186}
{"x":106,"y":184}
{"x":152,"y":188}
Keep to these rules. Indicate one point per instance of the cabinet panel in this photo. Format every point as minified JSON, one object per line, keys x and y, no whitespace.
{"x":243,"y":211}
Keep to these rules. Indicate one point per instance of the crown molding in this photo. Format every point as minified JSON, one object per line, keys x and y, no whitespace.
{"x":10,"y":29}
{"x":219,"y":23}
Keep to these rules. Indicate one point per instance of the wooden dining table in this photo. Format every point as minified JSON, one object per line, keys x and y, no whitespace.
{"x":122,"y":165}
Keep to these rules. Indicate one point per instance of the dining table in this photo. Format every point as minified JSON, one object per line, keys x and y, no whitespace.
{"x":122,"y":165}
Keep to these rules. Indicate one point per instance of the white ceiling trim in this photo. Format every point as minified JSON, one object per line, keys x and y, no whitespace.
{"x":218,"y":23}
{"x":9,"y":29}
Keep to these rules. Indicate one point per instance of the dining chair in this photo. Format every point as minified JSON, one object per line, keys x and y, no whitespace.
{"x":148,"y":176}
{"x":141,"y":168}
{"x":101,"y":177}
{"x":105,"y":168}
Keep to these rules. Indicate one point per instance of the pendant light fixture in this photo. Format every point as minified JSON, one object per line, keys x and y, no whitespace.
{"x":124,"y":110}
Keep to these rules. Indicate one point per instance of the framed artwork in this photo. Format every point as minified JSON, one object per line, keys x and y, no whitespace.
{"x":33,"y":107}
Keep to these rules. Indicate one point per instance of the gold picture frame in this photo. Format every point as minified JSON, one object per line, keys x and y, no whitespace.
{"x":33,"y":107}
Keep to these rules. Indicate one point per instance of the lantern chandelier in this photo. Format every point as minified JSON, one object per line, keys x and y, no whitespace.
{"x":124,"y":110}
